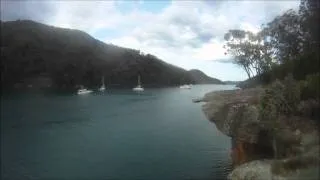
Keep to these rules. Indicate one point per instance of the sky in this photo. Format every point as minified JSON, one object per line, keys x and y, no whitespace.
{"x":188,"y":34}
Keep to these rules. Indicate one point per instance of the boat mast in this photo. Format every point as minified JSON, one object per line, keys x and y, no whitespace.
{"x":102,"y":80}
{"x":139,"y":83}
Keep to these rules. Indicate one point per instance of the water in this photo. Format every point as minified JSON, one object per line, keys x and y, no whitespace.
{"x":119,"y":134}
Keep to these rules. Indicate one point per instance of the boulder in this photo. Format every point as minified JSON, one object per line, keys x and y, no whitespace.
{"x":234,"y":112}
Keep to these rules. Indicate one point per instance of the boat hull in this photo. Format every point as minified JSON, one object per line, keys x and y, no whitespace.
{"x":102,"y":89}
{"x":185,"y":87}
{"x":84,"y":92}
{"x":138,"y":89}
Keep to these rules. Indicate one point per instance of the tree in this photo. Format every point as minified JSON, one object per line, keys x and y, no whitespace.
{"x":250,"y":51}
{"x":286,"y":36}
{"x":235,"y":46}
{"x":287,"y":44}
{"x":309,"y":12}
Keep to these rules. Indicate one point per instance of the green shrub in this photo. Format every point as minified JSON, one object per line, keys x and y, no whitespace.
{"x":291,"y":94}
{"x":280,"y":98}
{"x":272,"y":101}
{"x":310,"y":87}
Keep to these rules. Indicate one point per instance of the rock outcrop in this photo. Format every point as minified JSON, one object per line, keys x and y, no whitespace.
{"x":236,"y":114}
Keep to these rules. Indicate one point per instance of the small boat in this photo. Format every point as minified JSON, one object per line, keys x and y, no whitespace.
{"x":83,"y":90}
{"x":138,"y":87}
{"x":103,"y":87}
{"x":196,"y":100}
{"x":185,"y":86}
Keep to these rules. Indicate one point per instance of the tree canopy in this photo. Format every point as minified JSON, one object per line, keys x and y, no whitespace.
{"x":289,"y":43}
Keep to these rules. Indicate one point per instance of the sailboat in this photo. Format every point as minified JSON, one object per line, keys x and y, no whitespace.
{"x":138,"y":87}
{"x":185,"y":86}
{"x":103,"y":87}
{"x":83,"y":90}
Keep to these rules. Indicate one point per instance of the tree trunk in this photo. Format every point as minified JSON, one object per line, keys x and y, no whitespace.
{"x":247,"y":71}
{"x":274,"y":146}
{"x":275,"y":151}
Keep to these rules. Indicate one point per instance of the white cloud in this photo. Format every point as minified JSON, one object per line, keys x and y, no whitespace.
{"x":140,"y":2}
{"x":84,"y":15}
{"x":171,"y":34}
{"x":211,"y":51}
{"x":186,"y":33}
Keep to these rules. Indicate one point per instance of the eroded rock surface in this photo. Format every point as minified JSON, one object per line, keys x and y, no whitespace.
{"x":236,"y":114}
{"x":233,"y":111}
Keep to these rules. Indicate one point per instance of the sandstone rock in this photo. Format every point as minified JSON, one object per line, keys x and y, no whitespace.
{"x":236,"y":114}
{"x":254,"y":170}
{"x":289,"y":169}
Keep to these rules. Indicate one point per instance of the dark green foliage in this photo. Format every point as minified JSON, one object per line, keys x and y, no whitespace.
{"x":290,"y":97}
{"x":310,"y":87}
{"x":272,"y":102}
{"x":71,"y":58}
{"x":291,"y":94}
{"x":280,"y":98}
{"x":300,"y":69}
{"x":290,"y":45}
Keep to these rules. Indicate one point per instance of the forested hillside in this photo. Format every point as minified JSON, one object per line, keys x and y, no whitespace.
{"x":201,"y":78}
{"x":35,"y":54}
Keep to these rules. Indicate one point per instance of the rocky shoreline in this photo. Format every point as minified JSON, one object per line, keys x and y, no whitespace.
{"x":236,"y":114}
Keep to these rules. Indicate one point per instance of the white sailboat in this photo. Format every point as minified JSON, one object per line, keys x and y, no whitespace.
{"x":103,"y":87}
{"x":138,"y":87}
{"x":186,"y":86}
{"x":83,"y":90}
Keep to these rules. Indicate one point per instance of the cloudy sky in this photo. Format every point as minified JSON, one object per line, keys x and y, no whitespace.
{"x":188,"y":34}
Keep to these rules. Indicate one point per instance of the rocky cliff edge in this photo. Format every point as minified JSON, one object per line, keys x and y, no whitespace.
{"x":236,"y":114}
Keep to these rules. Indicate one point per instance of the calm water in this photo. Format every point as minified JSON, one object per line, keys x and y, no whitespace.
{"x":119,"y":134}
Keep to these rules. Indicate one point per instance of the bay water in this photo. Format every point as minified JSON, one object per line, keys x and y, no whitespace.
{"x":116,"y":135}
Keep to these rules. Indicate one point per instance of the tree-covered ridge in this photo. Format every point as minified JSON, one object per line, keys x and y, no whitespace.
{"x":201,"y":78}
{"x":70,"y":58}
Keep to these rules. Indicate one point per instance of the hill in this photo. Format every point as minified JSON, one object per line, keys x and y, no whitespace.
{"x":201,"y":78}
{"x":232,"y":82}
{"x":38,"y":55}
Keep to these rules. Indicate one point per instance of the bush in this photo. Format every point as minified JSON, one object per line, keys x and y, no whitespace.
{"x":280,"y":98}
{"x":291,"y":94}
{"x":310,"y":87}
{"x":271,"y":101}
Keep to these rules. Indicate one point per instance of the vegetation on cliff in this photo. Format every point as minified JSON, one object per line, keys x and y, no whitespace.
{"x":287,"y":44}
{"x":276,"y":114}
{"x":285,"y":100}
{"x":284,"y":58}
{"x":273,"y":123}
